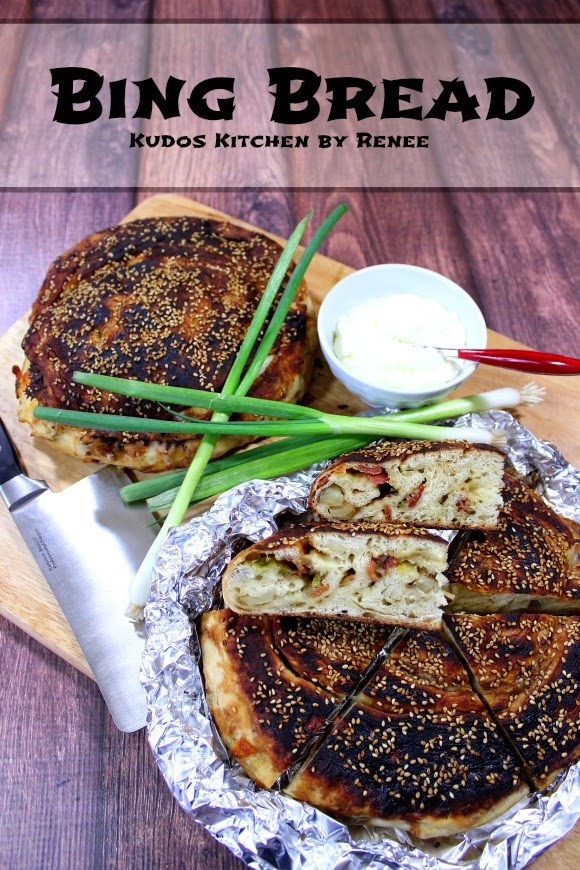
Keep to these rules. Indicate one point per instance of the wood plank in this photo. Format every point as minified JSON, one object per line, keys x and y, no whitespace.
{"x":540,"y":10}
{"x":211,"y":10}
{"x":532,"y":152}
{"x":90,"y":10}
{"x":76,"y":791}
{"x":11,"y":40}
{"x":262,"y":207}
{"x":242,"y":45}
{"x":56,"y":220}
{"x":554,"y":50}
{"x":53,"y":718}
{"x":364,"y":50}
{"x":487,"y":10}
{"x":330,"y":10}
{"x":99,"y":152}
{"x":526,"y":272}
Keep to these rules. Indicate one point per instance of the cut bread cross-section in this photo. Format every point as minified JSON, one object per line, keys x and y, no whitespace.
{"x":417,"y":750}
{"x":530,"y":562}
{"x":443,"y":485}
{"x":385,"y":574}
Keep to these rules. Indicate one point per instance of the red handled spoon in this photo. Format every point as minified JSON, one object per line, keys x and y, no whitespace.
{"x":520,"y":360}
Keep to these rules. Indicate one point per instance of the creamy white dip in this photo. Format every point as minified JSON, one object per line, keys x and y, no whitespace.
{"x":376,"y":341}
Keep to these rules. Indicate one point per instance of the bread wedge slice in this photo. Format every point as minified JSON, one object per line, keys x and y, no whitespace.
{"x":530,"y":562}
{"x":435,"y":484}
{"x":266,"y":714}
{"x":527,"y":669}
{"x":384,"y":574}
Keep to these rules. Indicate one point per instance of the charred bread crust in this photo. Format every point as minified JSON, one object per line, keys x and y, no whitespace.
{"x":527,"y":668}
{"x":357,"y":571}
{"x":265,"y":714}
{"x":422,"y":661}
{"x":387,"y":450}
{"x":413,"y":754}
{"x":458,"y":485}
{"x":166,"y":300}
{"x":533,"y":555}
{"x":300,"y":533}
{"x":331,"y":653}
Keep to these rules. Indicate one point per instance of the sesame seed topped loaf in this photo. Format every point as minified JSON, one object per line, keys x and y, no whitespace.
{"x":527,"y":668}
{"x":437,"y":484}
{"x":433,"y":732}
{"x":165,"y":300}
{"x":417,"y":750}
{"x":531,"y":561}
{"x":374,"y":573}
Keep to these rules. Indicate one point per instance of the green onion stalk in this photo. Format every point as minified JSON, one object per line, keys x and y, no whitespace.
{"x":505,"y":397}
{"x":238,"y":382}
{"x":271,"y":456}
{"x":289,"y":453}
{"x":388,"y":426}
{"x":299,"y":420}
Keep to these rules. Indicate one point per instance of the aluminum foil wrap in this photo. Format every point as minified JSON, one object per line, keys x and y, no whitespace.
{"x":265,"y":828}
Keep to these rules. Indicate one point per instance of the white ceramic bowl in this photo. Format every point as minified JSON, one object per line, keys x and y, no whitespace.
{"x":387,"y":279}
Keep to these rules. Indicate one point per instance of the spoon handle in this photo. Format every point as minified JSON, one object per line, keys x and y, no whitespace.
{"x":523,"y":360}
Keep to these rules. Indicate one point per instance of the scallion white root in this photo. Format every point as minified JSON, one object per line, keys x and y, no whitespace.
{"x":472,"y":435}
{"x":532,"y":394}
{"x":498,"y":439}
{"x":508,"y":397}
{"x":140,"y":588}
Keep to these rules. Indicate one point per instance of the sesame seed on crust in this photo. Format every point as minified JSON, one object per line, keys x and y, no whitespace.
{"x":527,"y":668}
{"x":432,"y":768}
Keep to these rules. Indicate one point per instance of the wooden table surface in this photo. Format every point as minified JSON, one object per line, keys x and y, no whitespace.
{"x":75,"y":791}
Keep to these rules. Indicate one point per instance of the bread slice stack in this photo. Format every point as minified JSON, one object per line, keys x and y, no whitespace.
{"x":385,"y":574}
{"x":367,"y":568}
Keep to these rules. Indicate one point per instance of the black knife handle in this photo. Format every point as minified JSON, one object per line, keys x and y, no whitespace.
{"x":9,"y":466}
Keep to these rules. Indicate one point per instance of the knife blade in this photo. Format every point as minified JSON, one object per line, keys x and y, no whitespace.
{"x":88,"y":545}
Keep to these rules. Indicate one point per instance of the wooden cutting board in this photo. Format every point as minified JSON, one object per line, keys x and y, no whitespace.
{"x":26,"y":599}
